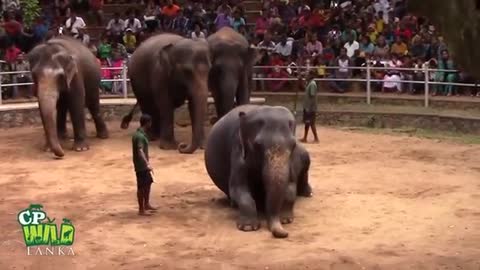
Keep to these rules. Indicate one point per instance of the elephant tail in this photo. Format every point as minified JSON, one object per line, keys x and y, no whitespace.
{"x":127,"y":118}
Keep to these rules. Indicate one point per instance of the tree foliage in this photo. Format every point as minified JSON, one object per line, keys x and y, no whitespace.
{"x":31,"y":11}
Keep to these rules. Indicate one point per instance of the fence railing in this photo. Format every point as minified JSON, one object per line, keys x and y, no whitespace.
{"x":368,"y":80}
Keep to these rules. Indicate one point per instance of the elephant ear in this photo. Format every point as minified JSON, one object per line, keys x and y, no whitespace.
{"x":163,"y":57}
{"x":69,"y":65}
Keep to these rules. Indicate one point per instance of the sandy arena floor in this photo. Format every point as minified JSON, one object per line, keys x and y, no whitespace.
{"x":380,"y":202}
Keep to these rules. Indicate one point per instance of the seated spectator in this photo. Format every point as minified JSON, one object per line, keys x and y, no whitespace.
{"x":150,"y":17}
{"x":23,"y":65}
{"x":62,"y":8}
{"x":118,"y":51}
{"x":381,"y":49}
{"x":82,"y":37}
{"x":391,"y":83}
{"x":130,"y":41}
{"x":417,"y":50}
{"x":105,"y":49}
{"x":284,"y":47}
{"x":224,"y":8}
{"x":197,"y":33}
{"x":237,"y":21}
{"x":277,"y":72}
{"x":267,"y":41}
{"x":372,"y":33}
{"x":261,"y":25}
{"x":117,"y":63}
{"x":133,"y":23}
{"x":296,"y":32}
{"x":377,"y":74}
{"x":74,"y":23}
{"x":116,"y":26}
{"x":445,"y":63}
{"x":223,"y":20}
{"x":314,"y":46}
{"x":351,"y":46}
{"x":399,"y":47}
{"x":11,"y":57}
{"x":96,"y":7}
{"x":180,"y":24}
{"x":343,"y":72}
{"x":408,"y":75}
{"x":366,"y":46}
{"x":106,"y":75}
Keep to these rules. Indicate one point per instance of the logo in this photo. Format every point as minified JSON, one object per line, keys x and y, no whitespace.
{"x":42,"y":236}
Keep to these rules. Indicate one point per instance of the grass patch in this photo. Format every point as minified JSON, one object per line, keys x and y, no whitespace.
{"x":421,"y":133}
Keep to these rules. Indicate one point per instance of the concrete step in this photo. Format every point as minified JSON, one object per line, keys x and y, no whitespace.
{"x":252,"y":5}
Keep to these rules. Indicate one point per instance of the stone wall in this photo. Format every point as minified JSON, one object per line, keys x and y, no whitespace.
{"x":30,"y":117}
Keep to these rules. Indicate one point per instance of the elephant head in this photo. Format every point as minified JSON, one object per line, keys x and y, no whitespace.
{"x":268,"y":141}
{"x":188,"y":64}
{"x":53,"y":71}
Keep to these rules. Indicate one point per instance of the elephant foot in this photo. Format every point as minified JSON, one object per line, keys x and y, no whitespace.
{"x":184,"y":148}
{"x":168,"y":145}
{"x":278,"y":231}
{"x":102,"y":134}
{"x":80,"y":146}
{"x":305,"y":192}
{"x":248,"y":224}
{"x":286,"y":218}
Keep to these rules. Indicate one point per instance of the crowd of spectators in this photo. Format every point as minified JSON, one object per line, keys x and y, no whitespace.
{"x":331,"y":36}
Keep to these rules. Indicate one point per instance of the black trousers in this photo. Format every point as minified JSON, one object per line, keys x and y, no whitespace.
{"x":144,"y":179}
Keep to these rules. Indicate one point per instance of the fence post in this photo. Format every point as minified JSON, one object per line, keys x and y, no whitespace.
{"x":427,"y":86}
{"x":124,"y":80}
{"x":1,"y":95}
{"x":369,"y":85}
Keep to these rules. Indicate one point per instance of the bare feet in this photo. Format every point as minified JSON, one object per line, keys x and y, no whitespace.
{"x":143,"y":213}
{"x":303,"y":140}
{"x":151,"y":208}
{"x":316,"y":141}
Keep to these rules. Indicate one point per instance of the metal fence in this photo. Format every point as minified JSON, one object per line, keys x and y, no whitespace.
{"x":368,"y":80}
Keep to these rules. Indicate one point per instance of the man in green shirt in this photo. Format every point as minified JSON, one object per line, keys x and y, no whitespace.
{"x":142,"y":166}
{"x":310,"y":106}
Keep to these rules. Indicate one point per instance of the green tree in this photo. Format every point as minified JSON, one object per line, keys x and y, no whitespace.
{"x":31,"y":11}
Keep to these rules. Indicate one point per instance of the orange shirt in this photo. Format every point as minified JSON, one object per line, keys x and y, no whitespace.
{"x":170,"y":11}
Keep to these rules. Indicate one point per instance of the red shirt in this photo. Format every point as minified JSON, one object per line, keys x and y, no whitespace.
{"x":405,"y":33}
{"x":96,"y":4}
{"x":170,"y":11}
{"x":11,"y":54}
{"x":12,"y":27}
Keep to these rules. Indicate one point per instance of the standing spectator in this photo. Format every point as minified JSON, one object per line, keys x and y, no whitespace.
{"x":344,"y":63}
{"x":11,"y":57}
{"x":310,"y":107}
{"x":445,"y":63}
{"x":40,"y":29}
{"x":116,"y":26}
{"x":62,"y":8}
{"x":23,"y":65}
{"x":74,"y":23}
{"x":351,"y":46}
{"x":13,"y":28}
{"x":169,"y":11}
{"x":197,"y":33}
{"x":237,"y":20}
{"x":130,"y":41}
{"x":133,"y":23}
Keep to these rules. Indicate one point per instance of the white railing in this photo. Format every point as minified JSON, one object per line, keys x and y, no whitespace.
{"x":368,"y":78}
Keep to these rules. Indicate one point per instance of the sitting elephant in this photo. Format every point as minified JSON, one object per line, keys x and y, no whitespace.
{"x":252,"y":155}
{"x":232,"y":65}
{"x":166,"y":70}
{"x":66,"y":77}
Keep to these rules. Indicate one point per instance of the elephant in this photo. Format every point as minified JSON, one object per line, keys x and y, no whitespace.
{"x":66,"y":77}
{"x":232,"y":66}
{"x":165,"y":70}
{"x":252,"y":155}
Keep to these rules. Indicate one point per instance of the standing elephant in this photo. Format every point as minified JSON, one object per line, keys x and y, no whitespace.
{"x":252,"y":155}
{"x":231,"y":72}
{"x":166,"y":70}
{"x":66,"y":78}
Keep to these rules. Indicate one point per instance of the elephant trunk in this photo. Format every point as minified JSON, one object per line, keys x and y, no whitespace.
{"x":197,"y":106}
{"x":228,"y":87}
{"x":47,"y":102}
{"x":276,"y":174}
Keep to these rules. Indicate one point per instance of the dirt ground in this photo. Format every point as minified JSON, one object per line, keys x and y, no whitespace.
{"x":380,"y":202}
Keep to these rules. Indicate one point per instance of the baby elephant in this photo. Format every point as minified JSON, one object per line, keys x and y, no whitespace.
{"x":252,"y":155}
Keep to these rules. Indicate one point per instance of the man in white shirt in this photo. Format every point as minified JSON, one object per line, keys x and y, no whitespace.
{"x":284,"y":47}
{"x":351,"y":46}
{"x":74,"y":23}
{"x":116,"y":26}
{"x":133,"y":23}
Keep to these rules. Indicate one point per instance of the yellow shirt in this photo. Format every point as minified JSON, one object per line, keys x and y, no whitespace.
{"x":321,"y":70}
{"x":379,"y":24}
{"x":130,"y":41}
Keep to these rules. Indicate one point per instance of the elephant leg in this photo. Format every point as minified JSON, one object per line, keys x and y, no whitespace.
{"x":167,"y":137}
{"x":286,"y":215}
{"x":240,"y":194}
{"x":100,"y":126}
{"x":77,"y":115}
{"x":62,"y":109}
{"x":243,"y":91}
